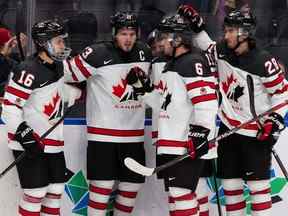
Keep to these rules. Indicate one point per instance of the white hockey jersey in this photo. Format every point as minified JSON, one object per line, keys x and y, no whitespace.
{"x":35,"y":94}
{"x":113,"y":112}
{"x":188,"y":97}
{"x":270,"y":86}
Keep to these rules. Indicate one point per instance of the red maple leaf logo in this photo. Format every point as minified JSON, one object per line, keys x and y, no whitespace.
{"x":50,"y":108}
{"x":226,"y":84}
{"x":120,"y":88}
{"x":161,"y":86}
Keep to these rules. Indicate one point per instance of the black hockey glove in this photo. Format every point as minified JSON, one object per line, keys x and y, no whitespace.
{"x":139,"y":81}
{"x":189,"y":13}
{"x":28,"y":140}
{"x":274,"y":123}
{"x":199,"y":137}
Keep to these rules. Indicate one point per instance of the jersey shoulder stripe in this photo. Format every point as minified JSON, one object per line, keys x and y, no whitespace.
{"x":106,"y":53}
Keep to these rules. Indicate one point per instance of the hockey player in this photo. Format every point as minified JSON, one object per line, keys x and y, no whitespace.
{"x":188,"y":107}
{"x":246,"y":155}
{"x":156,"y":42}
{"x":33,"y":102}
{"x":115,"y":117}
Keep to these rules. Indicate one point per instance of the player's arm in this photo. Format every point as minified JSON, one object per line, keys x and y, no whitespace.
{"x":17,"y":92}
{"x":201,"y":39}
{"x":80,"y":67}
{"x":276,"y":86}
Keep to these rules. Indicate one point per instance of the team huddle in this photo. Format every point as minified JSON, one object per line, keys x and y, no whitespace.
{"x":186,"y":78}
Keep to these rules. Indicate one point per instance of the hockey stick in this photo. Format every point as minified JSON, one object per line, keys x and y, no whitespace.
{"x":19,"y":25}
{"x":23,"y":154}
{"x":136,"y":167}
{"x":253,"y":112}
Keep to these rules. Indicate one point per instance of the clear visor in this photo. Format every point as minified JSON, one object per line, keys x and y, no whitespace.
{"x":58,"y":47}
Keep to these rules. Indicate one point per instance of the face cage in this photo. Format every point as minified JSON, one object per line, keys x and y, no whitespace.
{"x":57,"y":56}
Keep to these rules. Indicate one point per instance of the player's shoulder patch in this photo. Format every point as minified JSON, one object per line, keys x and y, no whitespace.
{"x":98,"y":54}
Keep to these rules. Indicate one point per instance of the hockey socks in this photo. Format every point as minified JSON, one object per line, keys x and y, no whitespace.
{"x":30,"y":203}
{"x":260,"y":197}
{"x":52,"y":200}
{"x":233,"y":191}
{"x":99,"y":193}
{"x":202,"y":197}
{"x":126,"y":197}
{"x":185,"y":202}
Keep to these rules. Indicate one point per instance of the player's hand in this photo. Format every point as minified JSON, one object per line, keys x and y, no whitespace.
{"x":139,"y":80}
{"x":189,"y":13}
{"x":274,"y":123}
{"x":28,"y":140}
{"x":198,"y":144}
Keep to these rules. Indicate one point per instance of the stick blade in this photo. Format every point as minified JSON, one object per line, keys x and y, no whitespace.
{"x":136,"y":167}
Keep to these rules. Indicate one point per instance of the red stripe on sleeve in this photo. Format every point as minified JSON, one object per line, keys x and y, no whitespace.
{"x":8,"y":103}
{"x":81,"y":67}
{"x":236,"y":123}
{"x":17,"y":92}
{"x":203,"y":98}
{"x":275,"y":82}
{"x":280,"y":91}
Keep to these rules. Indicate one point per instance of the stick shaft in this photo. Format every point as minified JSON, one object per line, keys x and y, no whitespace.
{"x":222,"y":136}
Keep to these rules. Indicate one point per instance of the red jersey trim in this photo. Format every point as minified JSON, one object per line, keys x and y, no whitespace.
{"x":115,"y":132}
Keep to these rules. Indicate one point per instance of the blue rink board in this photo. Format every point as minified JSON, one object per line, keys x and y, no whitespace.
{"x":82,"y":121}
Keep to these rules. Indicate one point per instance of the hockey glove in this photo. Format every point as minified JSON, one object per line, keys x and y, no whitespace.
{"x":199,"y":137}
{"x":28,"y":140}
{"x":189,"y":13}
{"x":273,"y":124}
{"x":139,"y":80}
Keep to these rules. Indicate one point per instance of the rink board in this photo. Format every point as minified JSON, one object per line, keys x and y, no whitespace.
{"x":151,"y":200}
